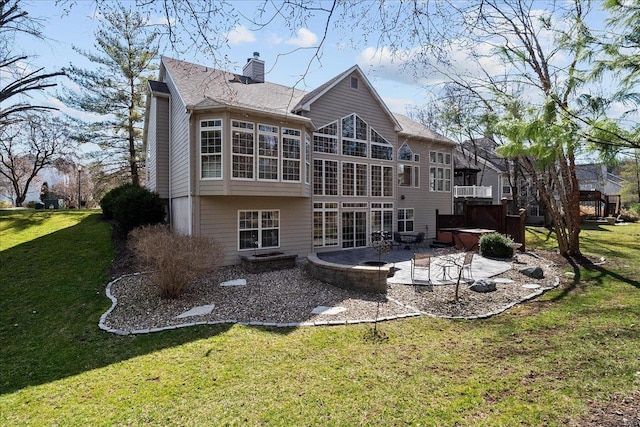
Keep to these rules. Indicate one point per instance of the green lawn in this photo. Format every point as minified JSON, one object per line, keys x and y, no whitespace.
{"x":537,"y":364}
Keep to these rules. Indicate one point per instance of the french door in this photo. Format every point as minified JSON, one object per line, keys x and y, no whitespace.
{"x":354,"y":229}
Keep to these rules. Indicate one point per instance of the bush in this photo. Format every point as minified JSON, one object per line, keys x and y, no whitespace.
{"x":136,"y":206}
{"x":107,"y":203}
{"x":174,"y":260}
{"x":496,"y":245}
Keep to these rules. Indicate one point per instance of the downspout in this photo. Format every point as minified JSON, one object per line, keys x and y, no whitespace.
{"x":169,"y":149}
{"x":190,"y":172}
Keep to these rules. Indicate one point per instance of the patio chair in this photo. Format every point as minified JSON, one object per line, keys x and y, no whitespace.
{"x":419,"y":242}
{"x":420,"y":262}
{"x":397,"y":240}
{"x":467,"y":275}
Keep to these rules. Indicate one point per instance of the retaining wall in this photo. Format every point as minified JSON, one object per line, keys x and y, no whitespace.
{"x":360,"y":277}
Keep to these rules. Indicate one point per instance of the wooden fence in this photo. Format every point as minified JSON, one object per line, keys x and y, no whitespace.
{"x":492,"y":217}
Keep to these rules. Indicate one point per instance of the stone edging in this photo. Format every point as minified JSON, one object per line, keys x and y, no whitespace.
{"x":415,"y":313}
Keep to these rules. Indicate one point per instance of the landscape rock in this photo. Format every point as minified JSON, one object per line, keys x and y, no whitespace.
{"x":533,"y":272}
{"x":483,"y":286}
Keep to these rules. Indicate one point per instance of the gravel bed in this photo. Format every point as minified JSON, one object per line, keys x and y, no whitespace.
{"x":289,"y":296}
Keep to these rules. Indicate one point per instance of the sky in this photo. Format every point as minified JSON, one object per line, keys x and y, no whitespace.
{"x":286,"y":53}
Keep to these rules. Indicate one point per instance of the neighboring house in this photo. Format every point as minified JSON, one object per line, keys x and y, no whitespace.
{"x":595,"y":177}
{"x":260,"y":166}
{"x":483,"y":177}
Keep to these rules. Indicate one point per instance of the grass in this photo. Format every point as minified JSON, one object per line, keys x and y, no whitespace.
{"x":538,"y":364}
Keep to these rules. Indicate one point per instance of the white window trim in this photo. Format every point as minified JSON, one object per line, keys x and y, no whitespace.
{"x":283,"y":158}
{"x":221,"y":154}
{"x":259,"y":229}
{"x":278,"y":148}
{"x":405,"y":220}
{"x":324,"y":209}
{"x":255,"y":151}
{"x":355,"y":179}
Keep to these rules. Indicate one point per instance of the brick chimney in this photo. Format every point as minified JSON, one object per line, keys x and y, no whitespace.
{"x":254,"y":68}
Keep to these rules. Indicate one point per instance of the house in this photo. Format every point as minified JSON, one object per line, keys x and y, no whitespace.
{"x":264,"y":167}
{"x":596,"y":177}
{"x":481,"y":176}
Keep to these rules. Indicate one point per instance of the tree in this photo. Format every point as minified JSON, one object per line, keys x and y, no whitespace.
{"x":27,"y":147}
{"x":18,"y":81}
{"x":532,"y":91}
{"x":126,"y":49}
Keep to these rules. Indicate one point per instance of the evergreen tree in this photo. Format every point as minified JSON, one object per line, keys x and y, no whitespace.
{"x":126,"y":49}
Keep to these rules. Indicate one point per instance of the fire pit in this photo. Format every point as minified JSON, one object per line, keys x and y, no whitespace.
{"x":260,"y":263}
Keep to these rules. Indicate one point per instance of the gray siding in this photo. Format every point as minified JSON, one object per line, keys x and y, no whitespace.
{"x":219,"y":219}
{"x":158,"y":154}
{"x":424,"y":201}
{"x":152,"y":145}
{"x":179,"y":145}
{"x":342,"y":100}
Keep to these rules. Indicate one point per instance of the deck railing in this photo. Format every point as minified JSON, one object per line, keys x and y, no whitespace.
{"x":473,"y":191}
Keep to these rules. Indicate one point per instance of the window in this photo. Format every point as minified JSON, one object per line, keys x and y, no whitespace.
{"x":380,"y":147}
{"x":325,"y":139}
{"x":325,"y":177}
{"x":243,"y":149}
{"x":354,"y":83}
{"x":381,"y":181}
{"x":408,"y":176}
{"x":290,"y":154}
{"x":354,"y":136}
{"x":405,"y":219}
{"x":211,"y":148}
{"x":354,"y":179}
{"x":416,"y":158}
{"x":405,"y":153}
{"x":440,"y":177}
{"x":506,"y":188}
{"x":381,"y":217}
{"x":405,"y":176}
{"x":258,"y":229}
{"x":268,"y":152}
{"x":325,"y":224}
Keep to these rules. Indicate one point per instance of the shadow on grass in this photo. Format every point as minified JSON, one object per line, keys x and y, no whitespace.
{"x":52,"y":294}
{"x":16,"y":221}
{"x":578,"y":264}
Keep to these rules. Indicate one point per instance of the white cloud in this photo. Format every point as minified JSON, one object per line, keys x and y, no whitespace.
{"x":77,"y":114}
{"x":399,"y":105}
{"x":305,"y":38}
{"x":240,"y":34}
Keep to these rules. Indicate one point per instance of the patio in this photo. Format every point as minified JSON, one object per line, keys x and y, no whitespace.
{"x":481,"y":267}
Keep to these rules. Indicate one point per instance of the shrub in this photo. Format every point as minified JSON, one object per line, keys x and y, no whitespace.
{"x":174,"y":260}
{"x":108,"y":201}
{"x":136,"y":206}
{"x":496,"y":245}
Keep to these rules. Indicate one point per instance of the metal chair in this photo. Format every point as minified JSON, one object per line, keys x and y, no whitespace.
{"x":420,"y":262}
{"x":419,"y":242}
{"x":466,"y":267}
{"x":397,"y":240}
